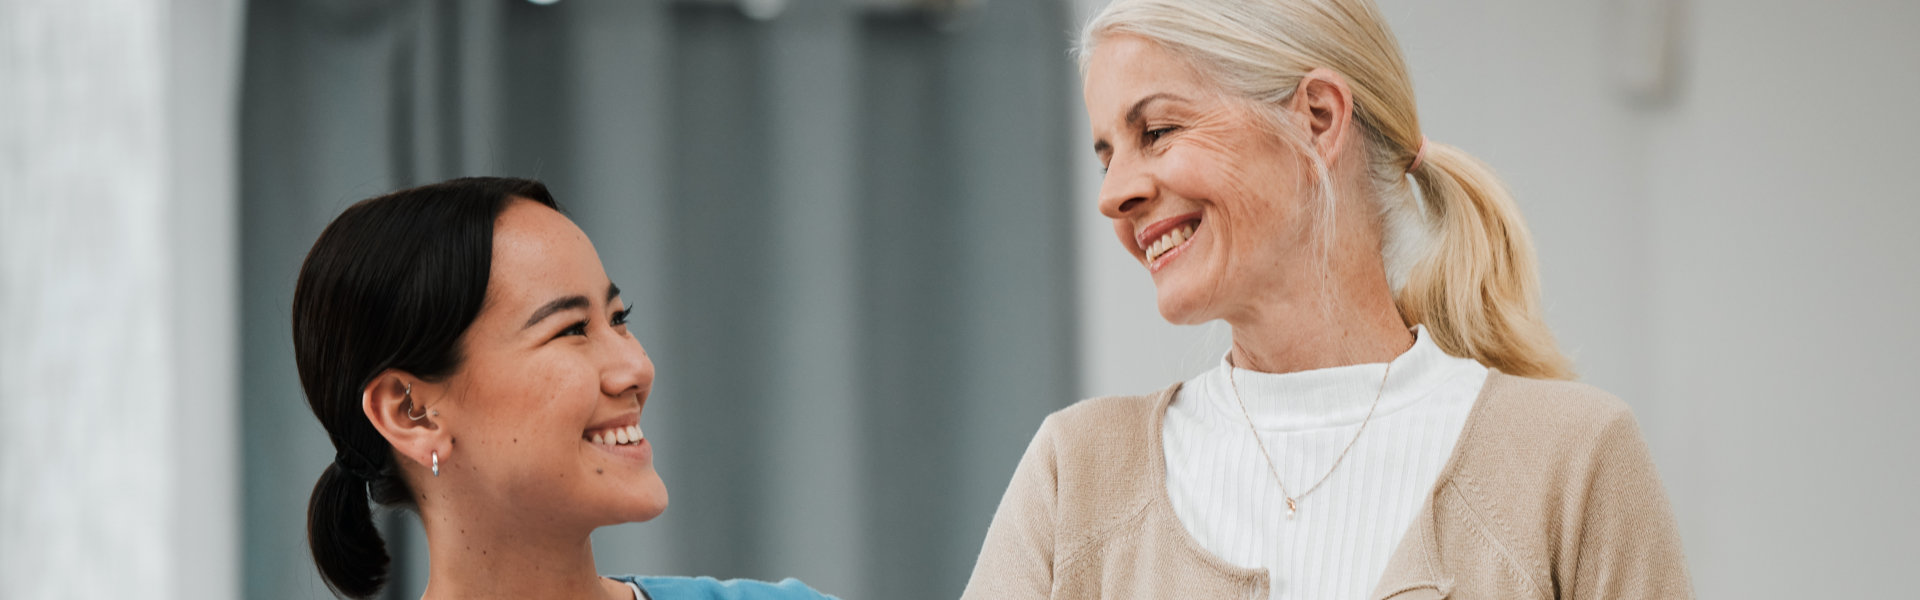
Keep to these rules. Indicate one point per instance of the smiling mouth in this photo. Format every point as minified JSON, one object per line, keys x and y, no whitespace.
{"x":616,"y":436}
{"x":1165,"y":237}
{"x":1173,"y":239}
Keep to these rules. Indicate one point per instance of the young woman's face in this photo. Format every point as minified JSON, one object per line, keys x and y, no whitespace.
{"x":549,"y":366}
{"x":1200,"y":189}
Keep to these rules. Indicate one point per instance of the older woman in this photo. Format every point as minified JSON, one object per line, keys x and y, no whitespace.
{"x":1392,"y":419}
{"x":470,"y":360}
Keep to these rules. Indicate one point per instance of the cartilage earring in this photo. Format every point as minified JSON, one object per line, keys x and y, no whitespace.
{"x":436,"y":463}
{"x":423,"y":412}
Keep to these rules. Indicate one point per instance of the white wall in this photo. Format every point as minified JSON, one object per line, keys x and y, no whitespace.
{"x":1733,"y":261}
{"x":1782,"y":297}
{"x":117,"y":406}
{"x":202,"y":107}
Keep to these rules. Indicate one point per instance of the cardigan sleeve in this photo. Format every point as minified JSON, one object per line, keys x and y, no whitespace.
{"x":1629,"y":543}
{"x":1016,"y":561}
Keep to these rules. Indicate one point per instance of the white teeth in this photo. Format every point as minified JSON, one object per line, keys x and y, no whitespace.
{"x":1169,"y":241}
{"x":624,"y":435}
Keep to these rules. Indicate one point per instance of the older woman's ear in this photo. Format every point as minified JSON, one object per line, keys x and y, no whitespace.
{"x":1323,"y":103}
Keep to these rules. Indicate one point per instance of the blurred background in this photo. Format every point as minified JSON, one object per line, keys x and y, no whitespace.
{"x":861,"y":243}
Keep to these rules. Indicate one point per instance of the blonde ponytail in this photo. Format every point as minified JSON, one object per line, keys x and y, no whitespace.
{"x":1477,"y":288}
{"x":1457,"y":255}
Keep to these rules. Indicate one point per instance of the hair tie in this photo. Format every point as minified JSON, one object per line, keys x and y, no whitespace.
{"x":351,"y":464}
{"x":1419,"y":154}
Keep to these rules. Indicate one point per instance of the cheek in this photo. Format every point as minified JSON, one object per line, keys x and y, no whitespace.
{"x":526,"y":420}
{"x":1259,"y":200}
{"x":1236,"y":205}
{"x":1215,"y":175}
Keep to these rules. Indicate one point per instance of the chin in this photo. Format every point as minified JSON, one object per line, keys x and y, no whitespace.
{"x":1181,"y":305}
{"x":648,"y":502}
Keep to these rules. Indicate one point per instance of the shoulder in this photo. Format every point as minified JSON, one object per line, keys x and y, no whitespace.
{"x":1558,"y":474}
{"x":1539,"y":413}
{"x":1537,"y":446}
{"x":1104,"y":434}
{"x":1098,"y":458}
{"x":708,"y":588}
{"x":1109,"y":415}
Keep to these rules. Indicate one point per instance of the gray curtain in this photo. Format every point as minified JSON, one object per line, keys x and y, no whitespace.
{"x":844,"y":230}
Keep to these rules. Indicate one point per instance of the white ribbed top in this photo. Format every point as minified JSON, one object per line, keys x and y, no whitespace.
{"x":1338,"y":544}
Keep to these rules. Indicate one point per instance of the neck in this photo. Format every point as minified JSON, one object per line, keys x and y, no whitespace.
{"x":1287,"y":337}
{"x":507,"y":558}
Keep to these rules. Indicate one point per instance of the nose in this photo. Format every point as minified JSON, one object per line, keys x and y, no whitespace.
{"x":1125,"y":189}
{"x":628,"y":370}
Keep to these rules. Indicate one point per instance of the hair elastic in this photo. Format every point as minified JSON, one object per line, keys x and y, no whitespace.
{"x":1418,"y":155}
{"x":351,"y":463}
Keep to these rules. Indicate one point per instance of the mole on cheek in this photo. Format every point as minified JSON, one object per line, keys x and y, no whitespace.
{"x":599,"y":471}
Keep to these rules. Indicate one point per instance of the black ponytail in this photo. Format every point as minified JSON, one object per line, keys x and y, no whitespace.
{"x":392,"y":283}
{"x":346,"y":547}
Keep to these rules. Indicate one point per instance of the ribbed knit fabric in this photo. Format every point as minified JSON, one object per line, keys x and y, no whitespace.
{"x":1337,"y":545}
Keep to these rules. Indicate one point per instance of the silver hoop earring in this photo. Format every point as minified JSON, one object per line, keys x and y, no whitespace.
{"x":423,"y":412}
{"x":436,"y":463}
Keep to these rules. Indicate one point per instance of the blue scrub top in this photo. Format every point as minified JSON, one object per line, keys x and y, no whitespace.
{"x":708,"y":588}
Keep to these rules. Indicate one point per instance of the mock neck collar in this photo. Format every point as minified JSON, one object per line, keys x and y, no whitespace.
{"x":1330,"y":397}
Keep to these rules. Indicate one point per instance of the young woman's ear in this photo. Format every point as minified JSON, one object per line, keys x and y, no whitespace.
{"x":393,"y":402}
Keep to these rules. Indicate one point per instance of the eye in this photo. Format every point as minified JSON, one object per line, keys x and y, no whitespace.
{"x":620,"y":318}
{"x":579,"y":328}
{"x":1154,"y":135}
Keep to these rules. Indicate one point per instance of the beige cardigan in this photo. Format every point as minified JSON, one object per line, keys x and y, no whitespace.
{"x":1549,"y":493}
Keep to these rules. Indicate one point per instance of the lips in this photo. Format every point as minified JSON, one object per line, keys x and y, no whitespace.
{"x":617,"y":431}
{"x":621,"y":437}
{"x":1165,"y":236}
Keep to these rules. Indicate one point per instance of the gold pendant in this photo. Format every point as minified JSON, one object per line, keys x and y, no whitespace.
{"x":1290,"y":509}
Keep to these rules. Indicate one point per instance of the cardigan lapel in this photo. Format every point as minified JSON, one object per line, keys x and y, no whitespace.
{"x":1415,"y":571}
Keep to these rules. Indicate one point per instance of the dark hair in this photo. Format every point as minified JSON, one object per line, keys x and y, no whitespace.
{"x":392,"y":283}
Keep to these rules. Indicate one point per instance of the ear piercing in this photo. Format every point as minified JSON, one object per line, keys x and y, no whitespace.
{"x":423,"y":412}
{"x":409,"y":404}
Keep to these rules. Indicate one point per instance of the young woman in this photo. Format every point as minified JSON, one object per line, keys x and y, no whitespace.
{"x":1392,"y":419}
{"x":465,"y":351}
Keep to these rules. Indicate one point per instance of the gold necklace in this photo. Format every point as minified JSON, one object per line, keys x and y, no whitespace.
{"x":1291,"y":506}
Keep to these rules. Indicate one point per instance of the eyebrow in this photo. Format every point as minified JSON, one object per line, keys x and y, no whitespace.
{"x":567,"y":303}
{"x":1135,"y":114}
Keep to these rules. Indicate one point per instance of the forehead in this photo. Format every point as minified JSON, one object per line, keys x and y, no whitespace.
{"x":537,"y":253}
{"x":1126,"y":68}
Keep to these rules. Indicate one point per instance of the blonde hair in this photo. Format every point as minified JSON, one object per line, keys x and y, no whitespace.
{"x":1457,"y":255}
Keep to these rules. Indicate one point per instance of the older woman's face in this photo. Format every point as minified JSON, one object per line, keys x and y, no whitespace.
{"x":1200,"y":189}
{"x":549,"y":367}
